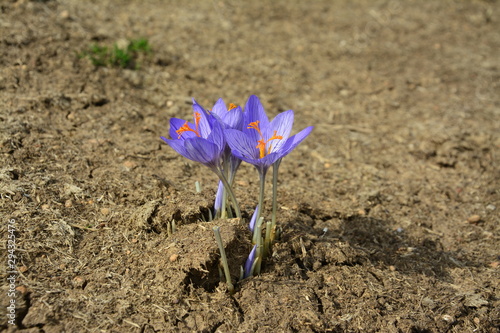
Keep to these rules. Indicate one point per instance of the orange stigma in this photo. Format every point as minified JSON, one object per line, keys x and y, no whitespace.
{"x":186,"y":128}
{"x":231,"y":106}
{"x":261,"y":144}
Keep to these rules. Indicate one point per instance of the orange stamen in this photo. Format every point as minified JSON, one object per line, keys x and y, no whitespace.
{"x":261,"y":144}
{"x":231,"y":106}
{"x":255,"y":126}
{"x":186,"y":128}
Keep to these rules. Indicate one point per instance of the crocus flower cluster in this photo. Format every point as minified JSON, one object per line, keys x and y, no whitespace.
{"x":220,"y":139}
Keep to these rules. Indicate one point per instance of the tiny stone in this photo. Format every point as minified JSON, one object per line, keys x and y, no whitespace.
{"x":23,"y":269}
{"x":392,"y":268}
{"x":361,"y":212}
{"x":495,"y":264}
{"x":344,"y":92}
{"x":428,"y":302}
{"x":173,"y":257}
{"x":78,"y":282}
{"x":64,"y":14}
{"x":134,"y":240}
{"x":448,"y":318}
{"x":170,"y":103}
{"x":474,"y":219}
{"x":105,"y":211}
{"x":491,"y":207}
{"x":476,"y":320}
{"x":45,"y":207}
{"x":68,"y":203}
{"x":22,"y":289}
{"x":129,"y":165}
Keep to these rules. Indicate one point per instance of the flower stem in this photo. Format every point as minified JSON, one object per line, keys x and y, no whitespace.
{"x":267,"y":240}
{"x":262,"y":176}
{"x":225,"y":264}
{"x":227,"y":188}
{"x":276,"y":165}
{"x":260,"y":250}
{"x":224,"y":199}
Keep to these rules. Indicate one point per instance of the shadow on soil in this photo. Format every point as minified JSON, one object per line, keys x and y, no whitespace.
{"x":360,"y":240}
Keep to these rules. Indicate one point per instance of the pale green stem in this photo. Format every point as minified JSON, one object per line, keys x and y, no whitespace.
{"x":261,"y":200}
{"x":259,"y":254}
{"x":276,"y":165}
{"x":223,"y":207}
{"x":225,"y":264}
{"x":267,"y":240}
{"x":227,"y":188}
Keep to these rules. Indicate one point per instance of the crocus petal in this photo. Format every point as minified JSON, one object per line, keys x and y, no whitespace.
{"x":177,"y":145}
{"x":217,"y":134}
{"x":242,"y":143}
{"x":269,"y":159}
{"x":219,"y":108}
{"x":175,"y":124}
{"x":251,"y":225}
{"x":233,"y":118}
{"x":295,"y":140}
{"x":218,"y":198}
{"x":283,"y":124}
{"x":204,"y":124}
{"x":203,"y":151}
{"x":249,"y":262}
{"x":254,"y":110}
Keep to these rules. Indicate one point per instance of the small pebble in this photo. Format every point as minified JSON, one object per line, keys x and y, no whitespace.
{"x":491,"y":207}
{"x":129,"y":165}
{"x":64,"y":14}
{"x":392,"y":268}
{"x":22,"y":289}
{"x":79,"y":282}
{"x":68,"y":203}
{"x":495,"y":264}
{"x":474,"y":219}
{"x":448,"y":318}
{"x":173,"y":257}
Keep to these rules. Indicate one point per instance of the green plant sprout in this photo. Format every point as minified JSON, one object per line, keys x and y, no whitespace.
{"x":117,"y":56}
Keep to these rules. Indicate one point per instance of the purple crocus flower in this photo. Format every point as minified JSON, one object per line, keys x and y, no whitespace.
{"x":203,"y":141}
{"x":200,"y":141}
{"x":261,"y":142}
{"x":249,"y":262}
{"x":251,"y":225}
{"x":230,"y":118}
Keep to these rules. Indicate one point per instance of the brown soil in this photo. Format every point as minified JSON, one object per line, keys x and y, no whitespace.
{"x":389,"y":210}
